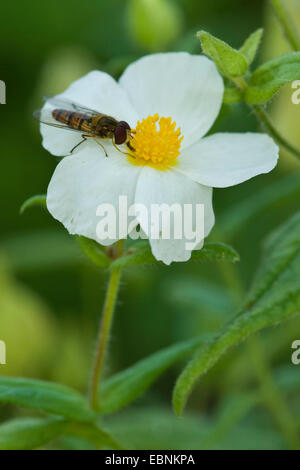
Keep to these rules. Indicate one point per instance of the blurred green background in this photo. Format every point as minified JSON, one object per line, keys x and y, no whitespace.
{"x":51,"y":297}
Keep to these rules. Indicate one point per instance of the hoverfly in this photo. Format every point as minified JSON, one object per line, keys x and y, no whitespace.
{"x":68,"y":115}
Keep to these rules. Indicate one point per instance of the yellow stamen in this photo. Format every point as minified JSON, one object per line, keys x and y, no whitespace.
{"x":155,"y":142}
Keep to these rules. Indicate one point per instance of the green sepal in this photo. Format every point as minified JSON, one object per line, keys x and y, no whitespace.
{"x":94,"y":251}
{"x":37,"y":200}
{"x":250,"y":47}
{"x":230,"y":62}
{"x":232,"y":95}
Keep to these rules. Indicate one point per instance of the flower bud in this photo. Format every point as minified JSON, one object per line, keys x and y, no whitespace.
{"x":154,"y":24}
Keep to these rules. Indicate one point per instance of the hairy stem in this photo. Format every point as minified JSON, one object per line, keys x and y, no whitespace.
{"x":287,"y":24}
{"x":104,"y":331}
{"x":266,"y":122}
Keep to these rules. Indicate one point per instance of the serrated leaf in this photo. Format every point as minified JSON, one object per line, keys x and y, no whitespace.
{"x":38,"y":200}
{"x":210,"y":251}
{"x":29,"y":433}
{"x":94,"y":252}
{"x":126,"y":386}
{"x":274,"y":297}
{"x":232,"y":95}
{"x":251,"y":45}
{"x":230,"y":62}
{"x":46,"y":396}
{"x":267,"y":79}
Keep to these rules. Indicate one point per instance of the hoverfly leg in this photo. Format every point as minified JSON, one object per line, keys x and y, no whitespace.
{"x":124,"y":153}
{"x":130,"y":146}
{"x":106,"y":154}
{"x":81,"y":142}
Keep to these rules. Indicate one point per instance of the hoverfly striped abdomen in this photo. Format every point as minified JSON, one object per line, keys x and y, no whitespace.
{"x":65,"y":114}
{"x":73,"y":119}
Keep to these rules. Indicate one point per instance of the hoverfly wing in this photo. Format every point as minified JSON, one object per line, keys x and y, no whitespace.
{"x":64,"y":103}
{"x":44,"y":116}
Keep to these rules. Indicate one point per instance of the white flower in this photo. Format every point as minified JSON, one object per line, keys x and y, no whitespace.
{"x":188,"y":89}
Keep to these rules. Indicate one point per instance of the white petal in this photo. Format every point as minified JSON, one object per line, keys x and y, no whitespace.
{"x":169,"y":187}
{"x":226,"y":159}
{"x":97,"y":91}
{"x":82,"y":182}
{"x":188,"y":88}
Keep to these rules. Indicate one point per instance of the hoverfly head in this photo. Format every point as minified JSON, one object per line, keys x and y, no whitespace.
{"x":122,"y":132}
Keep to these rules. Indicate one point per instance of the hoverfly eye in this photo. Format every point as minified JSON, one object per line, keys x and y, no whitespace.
{"x":121,"y":133}
{"x":124,"y":124}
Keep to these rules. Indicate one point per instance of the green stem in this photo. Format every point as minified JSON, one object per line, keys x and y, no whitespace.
{"x":265,"y":121}
{"x":272,"y":397}
{"x":287,"y":24}
{"x":104,"y":331}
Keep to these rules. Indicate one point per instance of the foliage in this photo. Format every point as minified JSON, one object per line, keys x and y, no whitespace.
{"x":195,"y":312}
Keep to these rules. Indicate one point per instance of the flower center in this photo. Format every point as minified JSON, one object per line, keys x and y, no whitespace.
{"x":155,"y":142}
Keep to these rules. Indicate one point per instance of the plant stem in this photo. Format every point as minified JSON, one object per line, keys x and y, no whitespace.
{"x":265,"y":121}
{"x":287,"y":24}
{"x":104,"y":331}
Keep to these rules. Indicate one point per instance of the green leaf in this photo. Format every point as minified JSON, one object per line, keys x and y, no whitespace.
{"x":288,"y":378}
{"x":157,"y":428}
{"x":235,"y":407}
{"x":210,"y":251}
{"x":42,"y":249}
{"x":232,"y":410}
{"x":240,"y":215}
{"x":271,"y":76}
{"x":94,"y":251}
{"x":49,"y":397}
{"x":38,"y":200}
{"x":165,"y":431}
{"x":29,"y":433}
{"x":126,"y":386}
{"x":216,"y":252}
{"x":251,"y":45}
{"x":274,"y":297}
{"x":200,"y":295}
{"x":229,"y":61}
{"x":91,"y":432}
{"x":232,"y":95}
